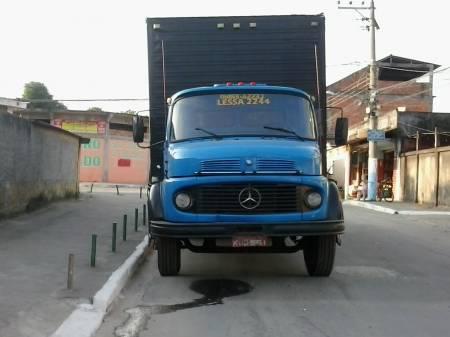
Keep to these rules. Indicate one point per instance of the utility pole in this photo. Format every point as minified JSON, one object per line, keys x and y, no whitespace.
{"x":372,"y":164}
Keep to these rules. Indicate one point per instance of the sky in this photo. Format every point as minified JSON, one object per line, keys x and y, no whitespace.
{"x":89,"y":49}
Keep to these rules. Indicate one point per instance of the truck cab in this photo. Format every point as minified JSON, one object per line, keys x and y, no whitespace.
{"x":242,"y":173}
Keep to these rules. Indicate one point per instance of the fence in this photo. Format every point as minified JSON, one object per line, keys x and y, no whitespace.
{"x":426,"y":174}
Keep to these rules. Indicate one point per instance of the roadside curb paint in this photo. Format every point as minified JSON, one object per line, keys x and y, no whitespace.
{"x":370,"y":206}
{"x":87,"y":318}
{"x":391,"y":210}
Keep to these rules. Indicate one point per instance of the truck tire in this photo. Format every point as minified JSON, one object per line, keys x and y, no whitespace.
{"x":169,"y":257}
{"x":319,"y":252}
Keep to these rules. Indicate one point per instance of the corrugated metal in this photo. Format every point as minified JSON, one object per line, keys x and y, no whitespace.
{"x":280,"y":50}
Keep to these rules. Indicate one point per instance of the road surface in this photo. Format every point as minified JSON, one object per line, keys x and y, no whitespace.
{"x":391,"y":279}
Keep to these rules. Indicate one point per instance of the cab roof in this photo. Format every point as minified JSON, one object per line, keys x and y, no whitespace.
{"x":224,"y":88}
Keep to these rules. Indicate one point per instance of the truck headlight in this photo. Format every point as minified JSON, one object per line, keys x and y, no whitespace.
{"x":313,"y":199}
{"x":183,"y":201}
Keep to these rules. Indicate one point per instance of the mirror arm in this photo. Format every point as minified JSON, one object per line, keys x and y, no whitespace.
{"x":337,"y":108}
{"x":151,"y":145}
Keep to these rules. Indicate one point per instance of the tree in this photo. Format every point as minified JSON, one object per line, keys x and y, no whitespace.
{"x":38,"y":91}
{"x":95,"y":109}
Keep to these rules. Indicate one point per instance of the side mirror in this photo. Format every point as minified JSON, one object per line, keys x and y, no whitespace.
{"x":341,"y":131}
{"x":138,"y":129}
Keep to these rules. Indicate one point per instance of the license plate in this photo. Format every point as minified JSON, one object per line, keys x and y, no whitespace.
{"x":250,"y":241}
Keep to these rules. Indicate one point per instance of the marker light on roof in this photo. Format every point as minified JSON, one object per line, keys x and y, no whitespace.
{"x":229,"y":84}
{"x":252,"y":83}
{"x":241,"y":83}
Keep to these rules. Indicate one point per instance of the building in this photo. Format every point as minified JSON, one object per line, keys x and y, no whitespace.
{"x":405,"y":105}
{"x":111,"y":156}
{"x":10,"y":105}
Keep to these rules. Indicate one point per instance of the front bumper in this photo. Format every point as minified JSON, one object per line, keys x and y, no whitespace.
{"x":159,"y":228}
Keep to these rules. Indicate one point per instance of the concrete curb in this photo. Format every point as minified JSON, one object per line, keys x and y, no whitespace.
{"x":423,"y":213}
{"x":370,"y":206}
{"x":87,"y":318}
{"x":391,"y":210}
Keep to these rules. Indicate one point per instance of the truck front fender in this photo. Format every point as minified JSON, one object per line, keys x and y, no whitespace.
{"x":155,"y":208}
{"x":335,"y":210}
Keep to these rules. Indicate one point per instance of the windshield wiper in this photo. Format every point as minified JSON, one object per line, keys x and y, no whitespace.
{"x":285,"y":131}
{"x":215,"y":135}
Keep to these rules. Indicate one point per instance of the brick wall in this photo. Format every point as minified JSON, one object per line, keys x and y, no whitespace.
{"x":351,"y":94}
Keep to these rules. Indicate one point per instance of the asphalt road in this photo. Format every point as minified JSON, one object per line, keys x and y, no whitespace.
{"x":391,"y":279}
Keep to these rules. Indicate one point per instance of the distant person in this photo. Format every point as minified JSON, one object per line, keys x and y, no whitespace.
{"x":362,"y":189}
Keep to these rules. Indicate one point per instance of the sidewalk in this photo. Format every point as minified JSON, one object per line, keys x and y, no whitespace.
{"x":34,"y":250}
{"x":398,"y":207}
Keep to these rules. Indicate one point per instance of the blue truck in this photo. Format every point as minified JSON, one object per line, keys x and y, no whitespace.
{"x":238,"y":139}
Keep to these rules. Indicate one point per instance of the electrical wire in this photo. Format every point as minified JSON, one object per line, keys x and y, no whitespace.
{"x":399,"y":85}
{"x":348,"y":93}
{"x":359,"y":88}
{"x":348,"y":88}
{"x":85,"y":100}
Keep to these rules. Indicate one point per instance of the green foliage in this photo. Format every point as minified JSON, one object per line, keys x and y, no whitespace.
{"x":95,"y":109}
{"x":129,"y":112}
{"x":38,"y":91}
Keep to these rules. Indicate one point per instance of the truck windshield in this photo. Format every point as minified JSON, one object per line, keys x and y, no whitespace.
{"x":249,"y":114}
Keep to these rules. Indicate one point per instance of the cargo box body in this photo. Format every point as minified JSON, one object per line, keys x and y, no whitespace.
{"x":191,"y":52}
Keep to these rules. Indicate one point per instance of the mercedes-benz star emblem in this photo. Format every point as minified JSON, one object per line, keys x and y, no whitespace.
{"x":249,"y":198}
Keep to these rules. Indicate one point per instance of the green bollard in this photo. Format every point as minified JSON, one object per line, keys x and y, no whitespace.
{"x":124,"y":232}
{"x":114,"y":237}
{"x":144,"y":215}
{"x":136,"y":217}
{"x":93,"y":249}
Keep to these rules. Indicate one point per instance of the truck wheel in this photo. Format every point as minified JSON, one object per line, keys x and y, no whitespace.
{"x":319,"y":252}
{"x":169,"y":257}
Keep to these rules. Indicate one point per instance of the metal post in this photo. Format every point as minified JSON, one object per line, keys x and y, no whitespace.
{"x":92,"y":186}
{"x":70,"y":271}
{"x":114,"y":237}
{"x":144,"y":215}
{"x":117,"y":188}
{"x":373,"y":161}
{"x":124,"y":230}
{"x":93,"y":249}
{"x":436,"y":145}
{"x":436,"y":138}
{"x":416,"y":199}
{"x":140,"y":192}
{"x":431,"y":80}
{"x":136,"y":217}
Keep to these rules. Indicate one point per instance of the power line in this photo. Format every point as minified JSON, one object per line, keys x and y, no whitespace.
{"x":405,"y":70}
{"x":397,"y":85}
{"x":361,"y":81}
{"x":86,"y":100}
{"x":348,"y":93}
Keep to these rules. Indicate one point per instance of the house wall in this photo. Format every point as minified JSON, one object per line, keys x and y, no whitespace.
{"x":115,"y":159}
{"x":38,"y":163}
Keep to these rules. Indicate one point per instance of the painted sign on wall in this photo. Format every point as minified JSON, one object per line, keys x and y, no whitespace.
{"x":90,"y":127}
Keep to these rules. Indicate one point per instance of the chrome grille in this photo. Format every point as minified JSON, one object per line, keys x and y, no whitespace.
{"x":221,"y":166}
{"x":274,"y":165}
{"x":224,"y":199}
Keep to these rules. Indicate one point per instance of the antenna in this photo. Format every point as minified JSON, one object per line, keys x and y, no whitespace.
{"x":164,"y":80}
